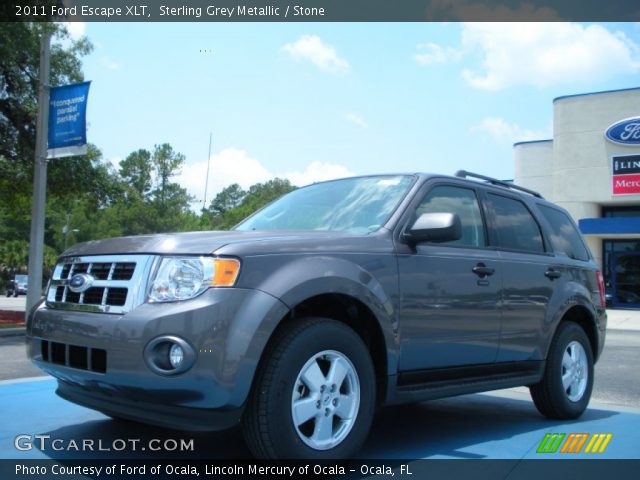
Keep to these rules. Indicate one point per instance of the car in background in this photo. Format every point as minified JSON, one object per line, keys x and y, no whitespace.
{"x":18,"y":286}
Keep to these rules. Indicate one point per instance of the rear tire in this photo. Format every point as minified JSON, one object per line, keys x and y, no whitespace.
{"x":313,"y":396}
{"x":565,"y":389}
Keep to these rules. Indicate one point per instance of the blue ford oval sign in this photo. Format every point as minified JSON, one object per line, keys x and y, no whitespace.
{"x":80,"y":282}
{"x":625,"y":132}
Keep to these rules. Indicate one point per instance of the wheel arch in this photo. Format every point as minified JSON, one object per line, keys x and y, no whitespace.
{"x":582,"y":316}
{"x":352,"y":312}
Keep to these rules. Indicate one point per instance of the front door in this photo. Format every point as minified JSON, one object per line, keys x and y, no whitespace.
{"x":450,"y":303}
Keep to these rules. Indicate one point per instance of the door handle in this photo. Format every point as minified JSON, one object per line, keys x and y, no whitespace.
{"x":552,"y":274}
{"x":483,"y":271}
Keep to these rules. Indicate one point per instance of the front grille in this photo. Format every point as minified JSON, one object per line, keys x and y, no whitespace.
{"x":115,"y":283}
{"x":74,"y":356}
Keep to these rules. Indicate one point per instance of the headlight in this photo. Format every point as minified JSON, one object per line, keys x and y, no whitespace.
{"x":182,"y":278}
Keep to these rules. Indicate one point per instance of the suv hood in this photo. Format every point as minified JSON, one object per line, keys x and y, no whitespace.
{"x":203,"y":243}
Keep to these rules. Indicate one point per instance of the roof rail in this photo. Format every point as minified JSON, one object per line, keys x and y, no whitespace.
{"x":494,"y":181}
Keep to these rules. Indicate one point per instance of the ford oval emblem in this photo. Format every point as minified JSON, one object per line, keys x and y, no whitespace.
{"x":80,"y":282}
{"x":625,"y":132}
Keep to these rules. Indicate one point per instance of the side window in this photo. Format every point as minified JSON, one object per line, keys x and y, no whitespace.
{"x":463,"y":201}
{"x":564,"y":235}
{"x":516,"y":227}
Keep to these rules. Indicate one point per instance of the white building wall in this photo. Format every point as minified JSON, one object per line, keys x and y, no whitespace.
{"x":574,"y":170}
{"x":582,"y":156}
{"x":533,"y":166}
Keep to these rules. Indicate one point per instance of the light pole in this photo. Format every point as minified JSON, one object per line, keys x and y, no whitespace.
{"x":36,"y":246}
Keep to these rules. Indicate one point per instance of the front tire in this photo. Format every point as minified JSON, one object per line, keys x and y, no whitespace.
{"x":314,"y":395}
{"x":565,"y":390}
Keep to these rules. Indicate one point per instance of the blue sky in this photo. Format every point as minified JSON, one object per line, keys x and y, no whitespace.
{"x":316,"y":101}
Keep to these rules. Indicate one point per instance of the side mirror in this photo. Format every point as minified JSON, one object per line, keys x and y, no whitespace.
{"x":434,"y":227}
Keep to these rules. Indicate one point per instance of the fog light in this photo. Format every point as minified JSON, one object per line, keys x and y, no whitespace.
{"x":176,"y":355}
{"x":169,"y":355}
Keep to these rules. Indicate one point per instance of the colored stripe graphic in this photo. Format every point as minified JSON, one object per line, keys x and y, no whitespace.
{"x":598,"y":443}
{"x":550,"y":443}
{"x":574,"y":443}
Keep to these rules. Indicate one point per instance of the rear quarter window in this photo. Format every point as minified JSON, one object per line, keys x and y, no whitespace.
{"x":565,"y":237}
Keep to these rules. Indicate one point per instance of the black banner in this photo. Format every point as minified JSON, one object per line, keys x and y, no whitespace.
{"x":319,"y":10}
{"x":389,"y":469}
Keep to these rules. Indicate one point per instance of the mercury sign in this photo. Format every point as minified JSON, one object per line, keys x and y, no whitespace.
{"x":626,"y":175}
{"x":67,"y":120}
{"x":625,"y":132}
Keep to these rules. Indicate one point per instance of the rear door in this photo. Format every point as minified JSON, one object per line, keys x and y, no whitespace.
{"x":449,"y":315}
{"x":530,"y":276}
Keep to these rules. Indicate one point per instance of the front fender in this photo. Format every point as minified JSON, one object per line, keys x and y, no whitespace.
{"x":371,"y":280}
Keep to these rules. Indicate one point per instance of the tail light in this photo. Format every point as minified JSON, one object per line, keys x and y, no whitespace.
{"x":603,"y":301}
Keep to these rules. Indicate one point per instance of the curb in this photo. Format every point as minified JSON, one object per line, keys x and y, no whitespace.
{"x":12,"y":332}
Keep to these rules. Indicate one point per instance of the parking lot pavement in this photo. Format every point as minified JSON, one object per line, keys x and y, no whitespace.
{"x":623,"y":320}
{"x":15,"y":304}
{"x":500,"y":425}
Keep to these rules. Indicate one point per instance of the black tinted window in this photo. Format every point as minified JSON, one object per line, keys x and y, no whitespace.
{"x":462,"y":201}
{"x":564,"y":235}
{"x":516,"y":227}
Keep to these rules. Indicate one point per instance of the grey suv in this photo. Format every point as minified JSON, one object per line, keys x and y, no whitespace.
{"x":336,"y":299}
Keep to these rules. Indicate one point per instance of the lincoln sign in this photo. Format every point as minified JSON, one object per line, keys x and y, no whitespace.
{"x":626,"y":175}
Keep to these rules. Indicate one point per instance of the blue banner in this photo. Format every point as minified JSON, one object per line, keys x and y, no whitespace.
{"x":67,"y":120}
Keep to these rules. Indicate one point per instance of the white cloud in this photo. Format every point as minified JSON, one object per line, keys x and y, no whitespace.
{"x":543,"y":54}
{"x":312,"y":49}
{"x":432,"y":53}
{"x":318,"y":172}
{"x":233,"y":165}
{"x":504,"y":132}
{"x":357,"y":119}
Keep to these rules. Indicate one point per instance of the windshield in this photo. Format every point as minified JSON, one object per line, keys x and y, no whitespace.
{"x":358,"y":205}
{"x":22,"y":278}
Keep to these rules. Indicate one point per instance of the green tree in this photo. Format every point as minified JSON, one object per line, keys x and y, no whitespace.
{"x":19,"y":79}
{"x":228,"y":198}
{"x":136,"y":171}
{"x":14,"y":256}
{"x":19,"y":83}
{"x":166,"y":164}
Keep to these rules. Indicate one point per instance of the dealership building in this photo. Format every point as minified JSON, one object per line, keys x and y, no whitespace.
{"x":591,"y":167}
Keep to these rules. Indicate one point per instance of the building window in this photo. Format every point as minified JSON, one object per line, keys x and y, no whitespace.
{"x":613,"y":212}
{"x":622,"y":272}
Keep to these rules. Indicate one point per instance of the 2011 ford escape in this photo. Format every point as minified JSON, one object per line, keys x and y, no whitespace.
{"x":337,"y":298}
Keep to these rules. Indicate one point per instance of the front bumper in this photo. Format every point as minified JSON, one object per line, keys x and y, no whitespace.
{"x":227,"y":328}
{"x":169,"y":416}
